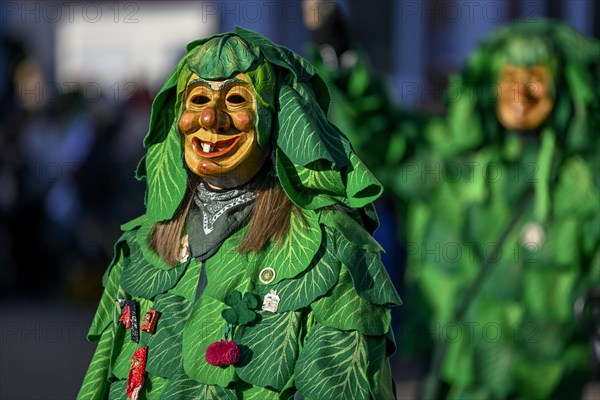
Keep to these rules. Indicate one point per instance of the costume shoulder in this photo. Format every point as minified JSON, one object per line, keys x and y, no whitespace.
{"x":329,"y":253}
{"x":345,"y":295}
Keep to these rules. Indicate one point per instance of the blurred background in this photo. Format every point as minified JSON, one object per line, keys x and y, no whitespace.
{"x":76,"y":83}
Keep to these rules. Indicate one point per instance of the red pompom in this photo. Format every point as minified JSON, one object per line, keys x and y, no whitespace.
{"x":222,"y":353}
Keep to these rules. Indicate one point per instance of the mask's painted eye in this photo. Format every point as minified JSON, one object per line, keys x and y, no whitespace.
{"x":236,"y":99}
{"x":200,"y":99}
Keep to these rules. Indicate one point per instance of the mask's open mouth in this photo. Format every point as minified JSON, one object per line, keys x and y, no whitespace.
{"x":211,"y":150}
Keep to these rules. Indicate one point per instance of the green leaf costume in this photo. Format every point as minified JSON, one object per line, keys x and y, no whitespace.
{"x":330,"y":337}
{"x":505,"y":231}
{"x":362,"y":106}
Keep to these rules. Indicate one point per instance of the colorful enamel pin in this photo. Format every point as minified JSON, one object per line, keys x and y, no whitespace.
{"x":149,"y":321}
{"x":271,"y":301}
{"x":137,"y":373}
{"x":129,"y":317}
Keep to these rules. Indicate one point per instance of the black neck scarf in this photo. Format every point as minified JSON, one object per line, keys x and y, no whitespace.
{"x":215,"y":215}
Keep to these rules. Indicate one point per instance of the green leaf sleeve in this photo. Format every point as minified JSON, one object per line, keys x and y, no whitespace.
{"x":95,"y":384}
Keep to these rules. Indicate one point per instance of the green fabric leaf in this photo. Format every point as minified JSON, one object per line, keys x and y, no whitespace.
{"x":362,"y":187}
{"x":163,"y":111}
{"x":167,"y":178}
{"x":311,"y":187}
{"x":297,"y":66}
{"x":165,"y":345}
{"x":351,"y":230}
{"x":150,"y":256}
{"x":118,"y":390}
{"x":547,"y":294}
{"x":301,"y":291}
{"x":95,"y":384}
{"x":106,"y":312}
{"x":305,"y":134}
{"x":536,"y":379}
{"x":295,"y":253}
{"x":542,"y":340}
{"x":184,"y":388}
{"x":358,"y":82}
{"x":225,"y":271}
{"x":369,"y":275}
{"x":211,"y":392}
{"x":381,"y":381}
{"x":269,"y":349}
{"x":317,"y":185}
{"x":357,"y":249}
{"x":333,"y":365}
{"x":260,"y":393}
{"x":140,"y":278}
{"x":344,"y":309}
{"x":204,"y":327}
{"x":494,"y":366}
{"x":575,"y":192}
{"x":458,"y":362}
{"x":230,"y":57}
{"x":153,"y":388}
{"x":188,"y":284}
{"x":134,"y":223}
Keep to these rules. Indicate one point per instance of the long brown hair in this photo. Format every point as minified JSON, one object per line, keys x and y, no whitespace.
{"x":269,"y":222}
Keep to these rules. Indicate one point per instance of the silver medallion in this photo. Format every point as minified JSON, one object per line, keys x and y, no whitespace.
{"x":532,"y":235}
{"x":271,"y":301}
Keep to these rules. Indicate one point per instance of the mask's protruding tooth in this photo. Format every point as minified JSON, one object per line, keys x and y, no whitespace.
{"x":206,"y":147}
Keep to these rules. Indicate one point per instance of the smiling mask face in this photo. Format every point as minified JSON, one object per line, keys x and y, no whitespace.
{"x":526,"y":84}
{"x":218,"y":125}
{"x":526,"y":100}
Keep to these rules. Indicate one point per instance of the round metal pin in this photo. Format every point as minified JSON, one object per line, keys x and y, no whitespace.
{"x":267,"y":275}
{"x":533,"y":235}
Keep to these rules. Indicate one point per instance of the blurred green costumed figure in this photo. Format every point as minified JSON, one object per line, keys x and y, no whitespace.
{"x":253,"y":273}
{"x":505,"y":223}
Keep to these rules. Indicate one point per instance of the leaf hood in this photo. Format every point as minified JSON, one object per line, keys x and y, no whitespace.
{"x":313,"y":160}
{"x":572,"y":59}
